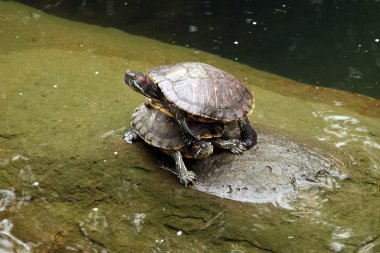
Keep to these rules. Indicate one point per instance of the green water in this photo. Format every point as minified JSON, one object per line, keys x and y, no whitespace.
{"x":69,"y":183}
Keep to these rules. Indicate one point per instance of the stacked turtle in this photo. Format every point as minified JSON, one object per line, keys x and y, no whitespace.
{"x":188,"y":105}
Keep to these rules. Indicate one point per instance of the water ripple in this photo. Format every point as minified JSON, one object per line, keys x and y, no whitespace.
{"x":10,"y":243}
{"x":343,"y":130}
{"x":347,"y":129}
{"x":7,"y":197}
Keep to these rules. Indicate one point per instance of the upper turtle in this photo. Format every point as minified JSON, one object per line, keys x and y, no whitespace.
{"x":199,"y":89}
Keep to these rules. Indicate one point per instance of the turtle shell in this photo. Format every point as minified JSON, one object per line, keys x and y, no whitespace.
{"x":162,"y":131}
{"x":203,"y":90}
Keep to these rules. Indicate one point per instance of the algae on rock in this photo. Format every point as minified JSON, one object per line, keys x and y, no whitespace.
{"x":70,"y":183}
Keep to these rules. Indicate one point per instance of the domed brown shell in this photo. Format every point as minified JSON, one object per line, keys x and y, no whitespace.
{"x":203,"y":90}
{"x":162,"y":131}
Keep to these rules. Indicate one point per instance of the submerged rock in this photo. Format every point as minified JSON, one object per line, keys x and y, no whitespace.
{"x":278,"y":170}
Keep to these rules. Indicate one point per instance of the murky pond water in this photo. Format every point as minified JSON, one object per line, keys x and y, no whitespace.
{"x":70,"y":184}
{"x":325,"y":43}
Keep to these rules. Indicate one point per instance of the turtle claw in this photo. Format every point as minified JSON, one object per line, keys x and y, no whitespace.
{"x":187,"y":178}
{"x":130,"y":136}
{"x":235,"y":146}
{"x":238,"y":149}
{"x":127,"y":138}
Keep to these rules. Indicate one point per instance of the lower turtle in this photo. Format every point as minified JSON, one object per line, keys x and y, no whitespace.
{"x":162,"y":131}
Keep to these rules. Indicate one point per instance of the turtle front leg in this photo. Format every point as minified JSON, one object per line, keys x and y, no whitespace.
{"x":233,"y":145}
{"x":187,"y":134}
{"x":185,"y":176}
{"x":247,"y":133}
{"x":130,"y":136}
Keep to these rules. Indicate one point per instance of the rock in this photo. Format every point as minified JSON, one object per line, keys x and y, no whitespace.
{"x":276,"y":171}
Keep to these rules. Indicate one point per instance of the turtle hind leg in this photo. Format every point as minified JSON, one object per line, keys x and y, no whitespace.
{"x":247,"y":133}
{"x":185,"y":176}
{"x":233,"y":145}
{"x":130,"y":136}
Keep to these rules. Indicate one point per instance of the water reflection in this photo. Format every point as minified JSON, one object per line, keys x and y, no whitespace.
{"x":345,"y":130}
{"x":94,"y":223}
{"x":8,"y":242}
{"x":7,"y":197}
{"x":138,"y":220}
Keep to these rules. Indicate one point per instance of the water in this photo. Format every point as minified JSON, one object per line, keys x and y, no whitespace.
{"x":324,"y":43}
{"x":68,"y":182}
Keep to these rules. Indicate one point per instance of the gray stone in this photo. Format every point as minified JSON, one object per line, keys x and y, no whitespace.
{"x":276,"y":171}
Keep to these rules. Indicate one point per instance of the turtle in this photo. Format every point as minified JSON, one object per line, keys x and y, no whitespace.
{"x":163,"y":131}
{"x":197,"y":91}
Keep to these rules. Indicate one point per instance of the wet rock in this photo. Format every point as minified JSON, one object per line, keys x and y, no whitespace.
{"x":278,"y":170}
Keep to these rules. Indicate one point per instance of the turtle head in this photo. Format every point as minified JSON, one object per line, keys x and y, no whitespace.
{"x":202,"y":149}
{"x":141,"y":83}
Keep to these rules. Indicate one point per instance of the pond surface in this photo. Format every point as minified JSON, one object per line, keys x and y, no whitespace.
{"x":68,"y":182}
{"x":324,"y":43}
